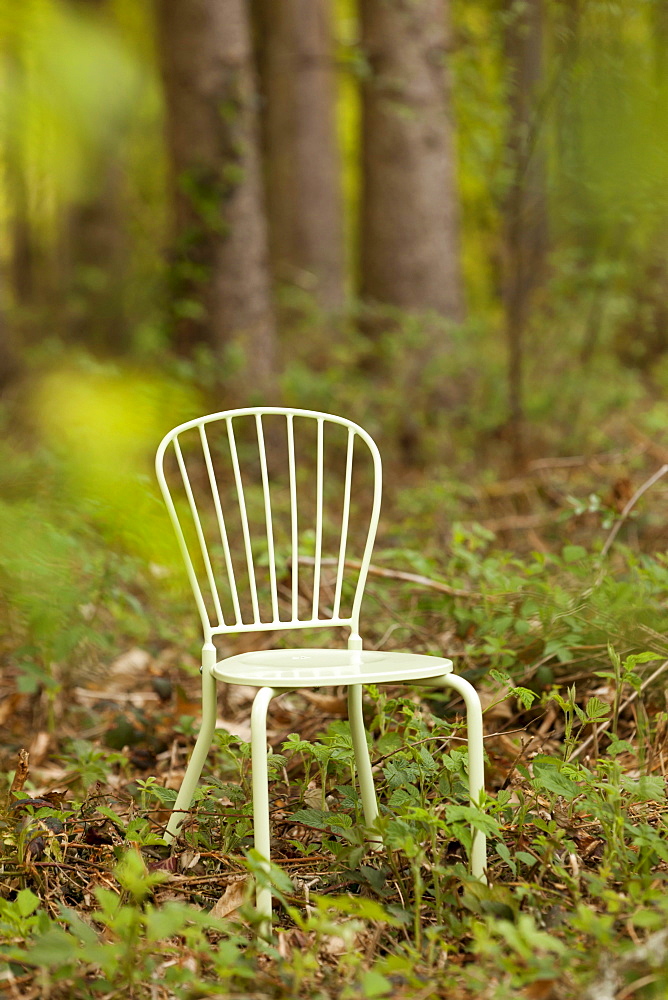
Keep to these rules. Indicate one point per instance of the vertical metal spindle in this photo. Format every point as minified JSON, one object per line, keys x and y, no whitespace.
{"x":293,"y":517}
{"x":215,"y":493}
{"x":318,"y":519}
{"x":200,"y":533}
{"x":244,"y":521}
{"x":267,"y":516}
{"x":344,"y":522}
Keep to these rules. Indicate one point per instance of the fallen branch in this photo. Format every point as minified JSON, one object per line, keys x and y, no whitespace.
{"x":397,"y":574}
{"x":629,"y":507}
{"x":577,"y":461}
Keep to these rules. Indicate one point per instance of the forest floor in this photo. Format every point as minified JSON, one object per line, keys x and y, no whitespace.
{"x":549,"y":593}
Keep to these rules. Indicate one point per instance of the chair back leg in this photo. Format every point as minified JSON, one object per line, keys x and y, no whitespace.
{"x":476,"y":763}
{"x":261,"y":799}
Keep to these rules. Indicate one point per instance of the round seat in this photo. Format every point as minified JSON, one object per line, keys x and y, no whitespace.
{"x":327,"y":667}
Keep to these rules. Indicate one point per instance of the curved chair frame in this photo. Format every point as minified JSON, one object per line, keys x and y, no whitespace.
{"x":270,"y":671}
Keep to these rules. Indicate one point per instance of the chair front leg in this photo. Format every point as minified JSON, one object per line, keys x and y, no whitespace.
{"x":198,"y":756}
{"x":362,"y":761}
{"x":476,"y":763}
{"x":260,"y":778}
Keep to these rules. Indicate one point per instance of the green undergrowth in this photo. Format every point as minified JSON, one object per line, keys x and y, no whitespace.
{"x":562,"y":630}
{"x":578,"y":858}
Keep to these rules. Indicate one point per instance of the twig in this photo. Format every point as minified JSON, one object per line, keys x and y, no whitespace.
{"x":576,"y":461}
{"x":397,"y":574}
{"x":632,"y":697}
{"x":444,"y":740}
{"x":629,"y":507}
{"x":521,"y":522}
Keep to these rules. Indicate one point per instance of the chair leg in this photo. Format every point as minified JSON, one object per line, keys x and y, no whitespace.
{"x":364,"y":773}
{"x":261,"y":798}
{"x":476,"y":763}
{"x":197,"y":759}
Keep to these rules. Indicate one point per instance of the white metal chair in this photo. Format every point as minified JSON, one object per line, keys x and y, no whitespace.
{"x":241,"y":464}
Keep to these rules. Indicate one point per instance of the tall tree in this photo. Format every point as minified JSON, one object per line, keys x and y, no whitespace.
{"x":220,"y":253}
{"x":409,"y":238}
{"x":303,"y":170}
{"x":526,"y":204}
{"x":94,"y":248}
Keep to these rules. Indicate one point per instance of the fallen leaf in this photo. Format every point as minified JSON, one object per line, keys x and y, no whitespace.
{"x":9,"y":706}
{"x":333,"y":945}
{"x":188,"y":859}
{"x":328,"y":703}
{"x":231,"y":900}
{"x":542,"y":989}
{"x":39,"y":748}
{"x":128,"y":669}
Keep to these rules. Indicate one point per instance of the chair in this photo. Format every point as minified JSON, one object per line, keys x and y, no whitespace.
{"x":267,"y":465}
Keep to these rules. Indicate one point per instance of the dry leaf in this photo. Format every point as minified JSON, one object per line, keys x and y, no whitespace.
{"x":188,"y":859}
{"x":9,"y":706}
{"x":128,"y":669}
{"x":542,"y":989}
{"x":21,"y":775}
{"x":239,"y":728}
{"x":231,"y":900}
{"x":39,"y":748}
{"x":328,"y":703}
{"x":313,"y":795}
{"x":138,"y":699}
{"x":333,"y":945}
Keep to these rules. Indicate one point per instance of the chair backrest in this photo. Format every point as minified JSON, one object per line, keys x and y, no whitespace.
{"x":258,"y":497}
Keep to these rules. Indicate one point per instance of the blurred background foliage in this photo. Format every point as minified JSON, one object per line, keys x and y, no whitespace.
{"x":445,"y":219}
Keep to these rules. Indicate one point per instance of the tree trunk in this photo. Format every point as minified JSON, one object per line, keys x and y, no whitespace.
{"x":22,"y":265}
{"x":303,"y":168}
{"x":22,"y":262}
{"x":659,"y":13}
{"x":526,"y":204}
{"x":96,"y":252}
{"x":409,"y":252}
{"x":221,"y":278}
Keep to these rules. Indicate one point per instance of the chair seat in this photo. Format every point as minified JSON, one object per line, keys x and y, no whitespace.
{"x":295,"y":668}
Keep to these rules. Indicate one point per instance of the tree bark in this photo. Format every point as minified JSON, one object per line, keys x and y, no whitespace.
{"x":22,"y":265}
{"x":526,"y":203}
{"x":220,"y":255}
{"x":303,"y":164}
{"x":409,"y":239}
{"x":96,"y":250}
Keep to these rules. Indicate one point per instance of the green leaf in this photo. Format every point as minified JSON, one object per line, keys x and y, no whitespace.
{"x":525,"y":697}
{"x":322,"y":820}
{"x":646,"y":788}
{"x":620,"y":746}
{"x":374,"y":984}
{"x":54,"y":948}
{"x":389,"y":743}
{"x":596,"y":709}
{"x":504,"y":854}
{"x":26,"y":902}
{"x":165,"y":922}
{"x":573,"y":553}
{"x":548,"y":777}
{"x":403,"y":796}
